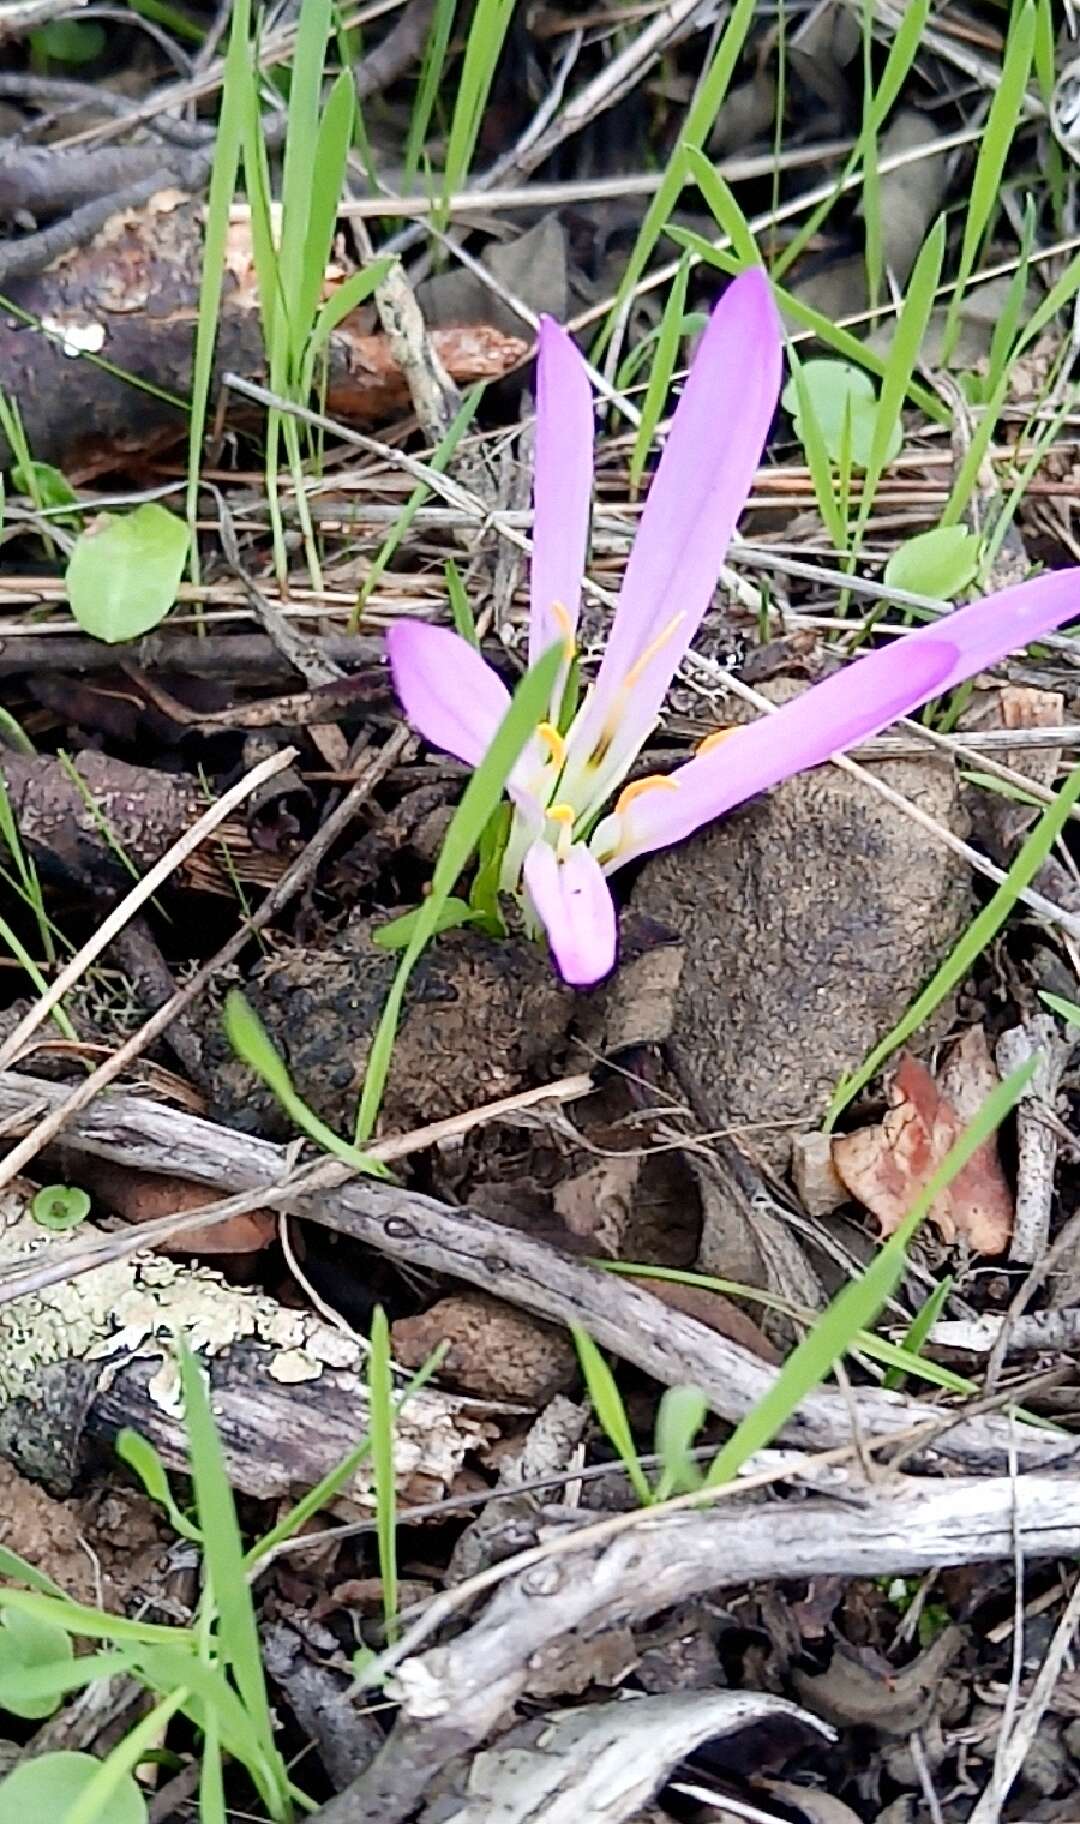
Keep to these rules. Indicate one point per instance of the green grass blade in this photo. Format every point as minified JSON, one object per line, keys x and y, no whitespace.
{"x":440,"y":458}
{"x":237,"y":1632}
{"x":347,"y":297}
{"x":528,"y":708}
{"x":327,"y":178}
{"x":92,"y":1805}
{"x":236,"y":92}
{"x":725,"y":206}
{"x":663,"y":368}
{"x":840,"y":340}
{"x":298,"y":164}
{"x":903,"y":51}
{"x":994,"y":148}
{"x":607,"y":1404}
{"x":460,"y":607}
{"x":431,"y":73}
{"x":904,"y":352}
{"x":878,"y":1348}
{"x":1007,"y":327}
{"x":700,"y":119}
{"x":487,"y":30}
{"x":856,"y":1307}
{"x":971,"y":945}
{"x":336,"y":1479}
{"x":871,"y":187}
{"x":381,"y":1401}
{"x":817,"y":460}
{"x":920,"y":1327}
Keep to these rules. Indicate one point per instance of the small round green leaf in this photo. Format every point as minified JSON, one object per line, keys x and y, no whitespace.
{"x":50,"y":485}
{"x":51,"y":1785}
{"x":26,"y":1642}
{"x":69,"y":40}
{"x":938,"y":563}
{"x":60,"y":1206}
{"x":835,"y":388}
{"x":123,"y":575}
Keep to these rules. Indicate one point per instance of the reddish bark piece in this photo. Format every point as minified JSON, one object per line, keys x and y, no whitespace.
{"x":130,"y":300}
{"x":886,"y":1166}
{"x":144,"y":1196}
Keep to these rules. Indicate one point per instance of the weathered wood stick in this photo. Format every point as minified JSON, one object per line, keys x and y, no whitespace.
{"x":671,"y":1347}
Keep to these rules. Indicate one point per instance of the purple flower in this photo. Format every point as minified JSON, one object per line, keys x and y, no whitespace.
{"x":561,"y":848}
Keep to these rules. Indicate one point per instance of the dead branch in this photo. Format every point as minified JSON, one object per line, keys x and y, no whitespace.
{"x":666,"y":1344}
{"x":453,"y":1695}
{"x":131,"y":297}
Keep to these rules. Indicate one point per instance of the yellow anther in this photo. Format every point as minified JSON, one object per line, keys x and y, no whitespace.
{"x":718,"y":735}
{"x":634,"y":674}
{"x":562,"y":813}
{"x":655,"y":781}
{"x":553,"y":741}
{"x":565,"y":625}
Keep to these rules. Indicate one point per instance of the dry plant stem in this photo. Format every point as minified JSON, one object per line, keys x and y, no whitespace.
{"x":585,"y":1580}
{"x":289,"y":885}
{"x":1040,"y":1331}
{"x":770,"y":218}
{"x":143,"y":890}
{"x":670,"y":1347}
{"x":1010,"y":1763}
{"x":483,"y":200}
{"x":1037,"y":1142}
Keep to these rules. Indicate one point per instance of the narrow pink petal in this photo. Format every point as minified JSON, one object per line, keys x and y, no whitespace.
{"x":700,"y":488}
{"x":849,"y":707}
{"x":448,"y":692}
{"x":562,"y":486}
{"x":572,"y":901}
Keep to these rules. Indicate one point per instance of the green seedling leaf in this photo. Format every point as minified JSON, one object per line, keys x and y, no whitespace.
{"x":920,"y":1327}
{"x":840,"y":393}
{"x":460,"y":606}
{"x":253,"y":1045}
{"x":938,"y":563}
{"x":679,"y":1418}
{"x":123,"y":575}
{"x":51,"y":1785}
{"x":48,"y":486}
{"x":46,"y":1685}
{"x":60,"y":1206}
{"x":607,"y":1404}
{"x":395,"y":935}
{"x":381,"y":1404}
{"x":141,"y":1457}
{"x":28,"y":1642}
{"x":69,"y":40}
{"x":482,"y":794}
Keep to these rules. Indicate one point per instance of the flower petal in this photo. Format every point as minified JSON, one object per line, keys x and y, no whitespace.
{"x":848,"y":707}
{"x":572,"y":901}
{"x":700,"y":487}
{"x":984,"y":632}
{"x":448,"y":692}
{"x":562,"y":487}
